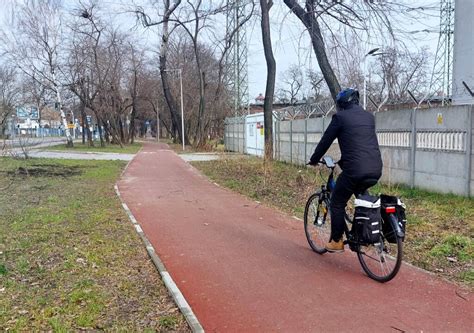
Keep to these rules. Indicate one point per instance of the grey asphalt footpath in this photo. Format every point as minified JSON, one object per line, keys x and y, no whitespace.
{"x":198,"y":157}
{"x":81,"y":156}
{"x":34,"y":142}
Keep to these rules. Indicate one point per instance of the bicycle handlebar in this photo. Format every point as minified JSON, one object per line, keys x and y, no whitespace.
{"x":324,"y":163}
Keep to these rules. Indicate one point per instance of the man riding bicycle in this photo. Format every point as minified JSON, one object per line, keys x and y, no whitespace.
{"x":361,"y":162}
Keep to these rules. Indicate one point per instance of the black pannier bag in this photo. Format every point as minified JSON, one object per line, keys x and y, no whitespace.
{"x":367,"y":219}
{"x":387,"y":228}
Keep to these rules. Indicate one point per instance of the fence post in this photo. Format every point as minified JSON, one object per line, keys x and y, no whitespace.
{"x":469,"y":155}
{"x":279,"y":140}
{"x":238,"y":135}
{"x":291,"y":141}
{"x":244,"y":135}
{"x":233,"y":135}
{"x":305,"y":140}
{"x":274,"y":138}
{"x":413,"y":148}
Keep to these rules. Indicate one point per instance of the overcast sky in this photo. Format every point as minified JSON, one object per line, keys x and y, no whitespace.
{"x":290,"y":43}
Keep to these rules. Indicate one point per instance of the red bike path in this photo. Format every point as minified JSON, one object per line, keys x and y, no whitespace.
{"x":244,"y":267}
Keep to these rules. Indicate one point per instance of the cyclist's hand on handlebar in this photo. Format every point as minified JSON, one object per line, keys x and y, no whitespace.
{"x":312,"y":163}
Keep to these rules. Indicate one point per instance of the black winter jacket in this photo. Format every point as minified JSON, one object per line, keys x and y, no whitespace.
{"x":354,"y":129}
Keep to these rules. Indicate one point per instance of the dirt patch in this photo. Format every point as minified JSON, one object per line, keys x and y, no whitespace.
{"x":46,"y":170}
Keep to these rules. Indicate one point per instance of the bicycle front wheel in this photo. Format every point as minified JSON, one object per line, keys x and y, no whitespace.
{"x":381,"y":261}
{"x":317,"y":223}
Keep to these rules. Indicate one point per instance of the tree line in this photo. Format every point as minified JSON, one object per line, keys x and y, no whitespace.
{"x":78,"y":59}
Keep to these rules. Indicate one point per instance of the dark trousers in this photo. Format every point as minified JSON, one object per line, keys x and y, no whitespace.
{"x":346,"y":186}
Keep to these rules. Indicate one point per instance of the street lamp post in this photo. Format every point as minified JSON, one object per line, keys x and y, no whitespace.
{"x":370,"y":53}
{"x":179,"y":70}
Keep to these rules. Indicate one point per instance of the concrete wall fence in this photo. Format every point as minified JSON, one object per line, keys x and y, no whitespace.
{"x":425,"y":148}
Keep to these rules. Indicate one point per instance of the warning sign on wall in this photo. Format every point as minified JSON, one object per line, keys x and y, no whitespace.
{"x":261,"y":130}
{"x":440,"y":119}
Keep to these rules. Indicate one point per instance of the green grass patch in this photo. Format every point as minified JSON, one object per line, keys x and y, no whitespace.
{"x":211,"y":146}
{"x":110,"y":148}
{"x":168,"y":322}
{"x":440,"y":229}
{"x":69,"y":257}
{"x":455,"y":247}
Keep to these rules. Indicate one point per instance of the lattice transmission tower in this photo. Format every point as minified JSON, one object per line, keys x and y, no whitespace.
{"x":236,"y":61}
{"x":441,"y":77}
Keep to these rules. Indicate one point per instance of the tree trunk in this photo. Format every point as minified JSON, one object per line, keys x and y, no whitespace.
{"x":70,"y":142}
{"x":271,"y":72}
{"x":308,"y":18}
{"x":84,"y":124}
{"x":121,"y":131}
{"x":133,"y":115}
{"x":172,"y":106}
{"x":101,"y":134}
{"x":132,"y":125}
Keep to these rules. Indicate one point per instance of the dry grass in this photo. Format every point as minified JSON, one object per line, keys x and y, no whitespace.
{"x":69,"y":257}
{"x":110,"y":148}
{"x":440,"y":228}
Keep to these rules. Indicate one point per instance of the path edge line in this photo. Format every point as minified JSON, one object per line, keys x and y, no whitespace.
{"x":173,"y":289}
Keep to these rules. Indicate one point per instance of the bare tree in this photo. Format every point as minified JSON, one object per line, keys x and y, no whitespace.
{"x":165,"y":19}
{"x":9,"y":92}
{"x":34,"y":46}
{"x":90,"y":66}
{"x":315,"y":80}
{"x":308,"y":17}
{"x":271,"y":73}
{"x":398,"y":71}
{"x":292,"y":84}
{"x":376,"y":20}
{"x":136,"y":66}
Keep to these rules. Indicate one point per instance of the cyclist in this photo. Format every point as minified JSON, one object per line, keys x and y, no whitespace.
{"x":360,"y":162}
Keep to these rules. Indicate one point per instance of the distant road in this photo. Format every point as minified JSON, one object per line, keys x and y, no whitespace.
{"x":30,"y":142}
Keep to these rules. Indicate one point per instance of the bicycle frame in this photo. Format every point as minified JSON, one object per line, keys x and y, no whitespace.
{"x":381,"y":261}
{"x":326,"y":195}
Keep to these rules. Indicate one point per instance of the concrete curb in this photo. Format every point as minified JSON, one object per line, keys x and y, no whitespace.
{"x":173,"y":289}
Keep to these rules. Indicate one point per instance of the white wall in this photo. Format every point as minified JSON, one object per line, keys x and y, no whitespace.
{"x":254,"y":134}
{"x":463,"y":62}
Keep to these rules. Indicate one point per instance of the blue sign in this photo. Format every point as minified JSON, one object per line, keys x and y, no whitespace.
{"x":24,"y":112}
{"x":34,"y":113}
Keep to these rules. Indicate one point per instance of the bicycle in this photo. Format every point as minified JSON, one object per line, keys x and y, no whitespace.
{"x":381,"y":261}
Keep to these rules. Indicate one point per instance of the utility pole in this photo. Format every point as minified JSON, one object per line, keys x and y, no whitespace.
{"x":440,"y":82}
{"x":237,"y":75}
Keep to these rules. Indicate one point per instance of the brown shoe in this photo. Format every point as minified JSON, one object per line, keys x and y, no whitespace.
{"x":333,"y":246}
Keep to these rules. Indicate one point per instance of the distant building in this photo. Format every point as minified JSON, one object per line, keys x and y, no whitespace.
{"x":260,"y":99}
{"x":50,"y":118}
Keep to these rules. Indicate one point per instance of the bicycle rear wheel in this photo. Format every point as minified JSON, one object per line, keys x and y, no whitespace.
{"x":317,"y":223}
{"x":381,"y":261}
